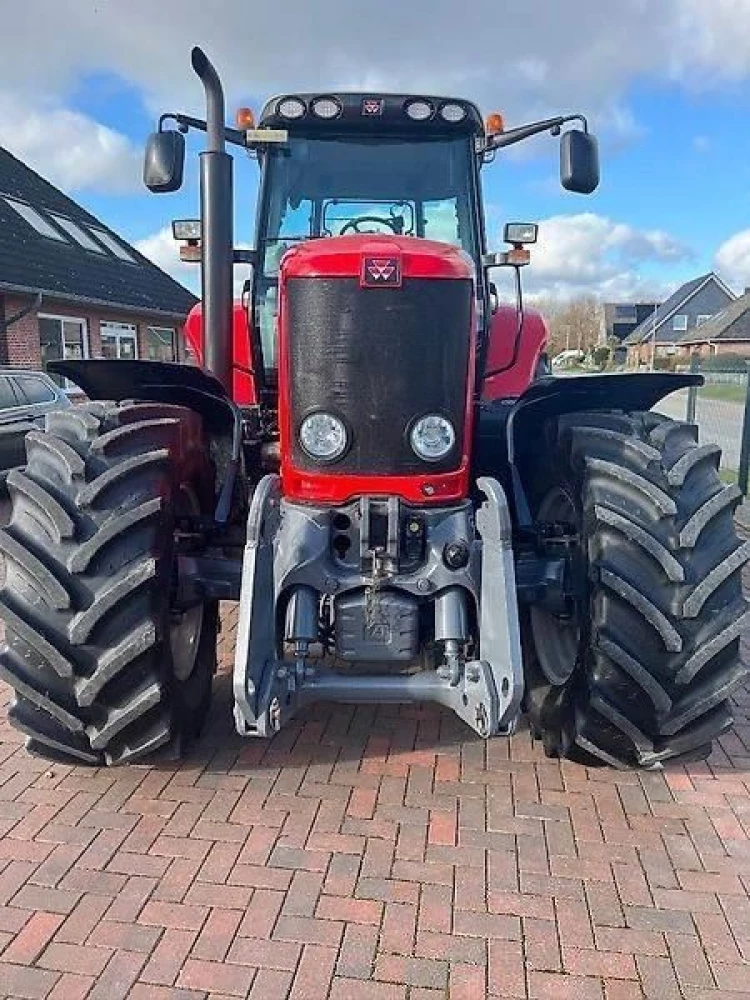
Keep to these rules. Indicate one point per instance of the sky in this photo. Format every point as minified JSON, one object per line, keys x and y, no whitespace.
{"x":665,"y":85}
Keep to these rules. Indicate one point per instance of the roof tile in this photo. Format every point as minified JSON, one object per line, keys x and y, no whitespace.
{"x":64,"y":268}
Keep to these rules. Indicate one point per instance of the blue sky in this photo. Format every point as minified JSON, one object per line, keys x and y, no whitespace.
{"x":665,"y":83}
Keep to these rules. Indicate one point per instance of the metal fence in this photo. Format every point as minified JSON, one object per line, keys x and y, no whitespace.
{"x":721,"y":409}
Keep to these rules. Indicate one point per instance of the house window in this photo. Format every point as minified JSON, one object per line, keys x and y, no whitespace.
{"x":111,"y":243}
{"x":702,"y":319}
{"x":626,"y":314}
{"x":35,"y":220}
{"x":119,"y":341}
{"x":62,"y":338}
{"x":161,"y":344}
{"x":680,"y":323}
{"x":81,"y":237}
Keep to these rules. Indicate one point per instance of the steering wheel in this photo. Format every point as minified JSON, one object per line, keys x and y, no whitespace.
{"x":354,"y":224}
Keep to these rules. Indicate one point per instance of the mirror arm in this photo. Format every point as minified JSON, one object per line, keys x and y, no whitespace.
{"x":186,"y":122}
{"x":552,"y":125}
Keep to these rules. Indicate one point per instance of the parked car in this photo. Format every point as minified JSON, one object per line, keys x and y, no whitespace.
{"x":25,"y":397}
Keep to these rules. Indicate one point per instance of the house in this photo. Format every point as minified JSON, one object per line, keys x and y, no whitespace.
{"x":726,"y":333}
{"x":684,"y":311}
{"x":621,"y":318}
{"x":81,"y":291}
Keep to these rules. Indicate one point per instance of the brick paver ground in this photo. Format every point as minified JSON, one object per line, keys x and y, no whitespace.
{"x":373,"y":854}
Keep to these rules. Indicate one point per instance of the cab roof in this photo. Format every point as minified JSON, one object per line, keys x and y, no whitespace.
{"x":375,"y":114}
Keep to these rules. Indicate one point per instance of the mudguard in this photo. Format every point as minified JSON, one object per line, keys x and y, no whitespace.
{"x":164,"y":381}
{"x":508,"y":429}
{"x":169,"y":382}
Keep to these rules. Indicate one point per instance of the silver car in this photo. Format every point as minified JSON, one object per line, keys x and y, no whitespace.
{"x":25,"y":397}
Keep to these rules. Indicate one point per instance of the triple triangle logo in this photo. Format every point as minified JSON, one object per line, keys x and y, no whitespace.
{"x":381,"y":271}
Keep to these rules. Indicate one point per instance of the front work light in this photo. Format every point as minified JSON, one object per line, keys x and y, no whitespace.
{"x":453,"y":113}
{"x":520,"y":233}
{"x":186,"y":229}
{"x":291,"y":107}
{"x":326,"y":107}
{"x":419,"y":111}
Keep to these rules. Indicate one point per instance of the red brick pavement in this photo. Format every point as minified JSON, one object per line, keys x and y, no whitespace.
{"x":374,"y":854}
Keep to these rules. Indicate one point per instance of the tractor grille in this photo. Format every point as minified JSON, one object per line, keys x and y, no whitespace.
{"x":380,"y":358}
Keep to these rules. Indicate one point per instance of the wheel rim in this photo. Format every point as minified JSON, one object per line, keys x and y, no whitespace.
{"x":557,"y":638}
{"x":186,"y":626}
{"x":184,"y":639}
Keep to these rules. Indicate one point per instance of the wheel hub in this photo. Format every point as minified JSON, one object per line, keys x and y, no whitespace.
{"x":185,"y":626}
{"x":557,"y":637}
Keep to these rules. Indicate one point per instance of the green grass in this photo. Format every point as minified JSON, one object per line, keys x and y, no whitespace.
{"x":728,"y":392}
{"x":728,"y":476}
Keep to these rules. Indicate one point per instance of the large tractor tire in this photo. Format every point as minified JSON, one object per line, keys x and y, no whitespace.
{"x":642,"y":668}
{"x":103,"y":669}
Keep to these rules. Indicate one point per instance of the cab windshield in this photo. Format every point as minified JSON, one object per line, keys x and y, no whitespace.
{"x":331,"y":187}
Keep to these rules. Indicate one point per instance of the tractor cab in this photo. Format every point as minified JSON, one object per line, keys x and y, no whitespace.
{"x":353,"y":164}
{"x":385,"y":165}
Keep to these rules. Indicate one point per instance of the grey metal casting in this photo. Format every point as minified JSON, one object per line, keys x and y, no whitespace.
{"x":289,"y":560}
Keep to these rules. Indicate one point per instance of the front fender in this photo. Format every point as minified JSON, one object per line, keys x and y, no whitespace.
{"x":169,"y":382}
{"x":508,"y":429}
{"x":155,"y":381}
{"x":552,"y":396}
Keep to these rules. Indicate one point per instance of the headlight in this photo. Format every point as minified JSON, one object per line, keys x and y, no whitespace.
{"x":432,"y":437}
{"x":323,"y":436}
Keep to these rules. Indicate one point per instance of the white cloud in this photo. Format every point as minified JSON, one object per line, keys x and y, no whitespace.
{"x":712,"y":41}
{"x":163,"y":250}
{"x":733,"y":260}
{"x":592,"y":254}
{"x":535,"y":59}
{"x":70,"y":149}
{"x":540,"y":57}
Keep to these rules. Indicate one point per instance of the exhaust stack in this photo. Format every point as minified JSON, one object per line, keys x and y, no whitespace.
{"x":216,"y":215}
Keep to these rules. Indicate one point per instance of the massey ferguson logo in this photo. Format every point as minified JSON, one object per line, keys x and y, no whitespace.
{"x":372,"y":106}
{"x":380,"y":272}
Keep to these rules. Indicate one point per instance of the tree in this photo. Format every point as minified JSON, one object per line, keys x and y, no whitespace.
{"x":573,"y":325}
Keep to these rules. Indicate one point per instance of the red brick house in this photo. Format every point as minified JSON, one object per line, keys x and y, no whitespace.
{"x":100,"y":298}
{"x":726,"y":333}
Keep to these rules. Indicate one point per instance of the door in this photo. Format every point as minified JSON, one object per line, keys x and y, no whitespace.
{"x":15,"y":423}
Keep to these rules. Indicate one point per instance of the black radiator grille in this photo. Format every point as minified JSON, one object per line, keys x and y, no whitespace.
{"x":379,"y":358}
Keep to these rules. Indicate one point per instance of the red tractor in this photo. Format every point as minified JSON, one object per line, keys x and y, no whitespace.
{"x":374,"y":462}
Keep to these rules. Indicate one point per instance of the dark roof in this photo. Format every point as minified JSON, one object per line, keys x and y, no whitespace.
{"x":621,"y":318}
{"x":666,"y":309}
{"x":62,"y":268}
{"x":731,"y":324}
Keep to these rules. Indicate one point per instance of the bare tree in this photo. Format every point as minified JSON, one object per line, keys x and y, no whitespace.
{"x":573,"y":325}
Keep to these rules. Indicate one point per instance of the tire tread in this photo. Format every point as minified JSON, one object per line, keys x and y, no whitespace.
{"x":662,"y":660}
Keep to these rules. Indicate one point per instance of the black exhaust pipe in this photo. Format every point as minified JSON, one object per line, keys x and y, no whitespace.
{"x":218,"y":239}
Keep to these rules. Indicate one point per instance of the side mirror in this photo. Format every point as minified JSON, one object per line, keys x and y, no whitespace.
{"x":164,"y":161}
{"x":579,"y":162}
